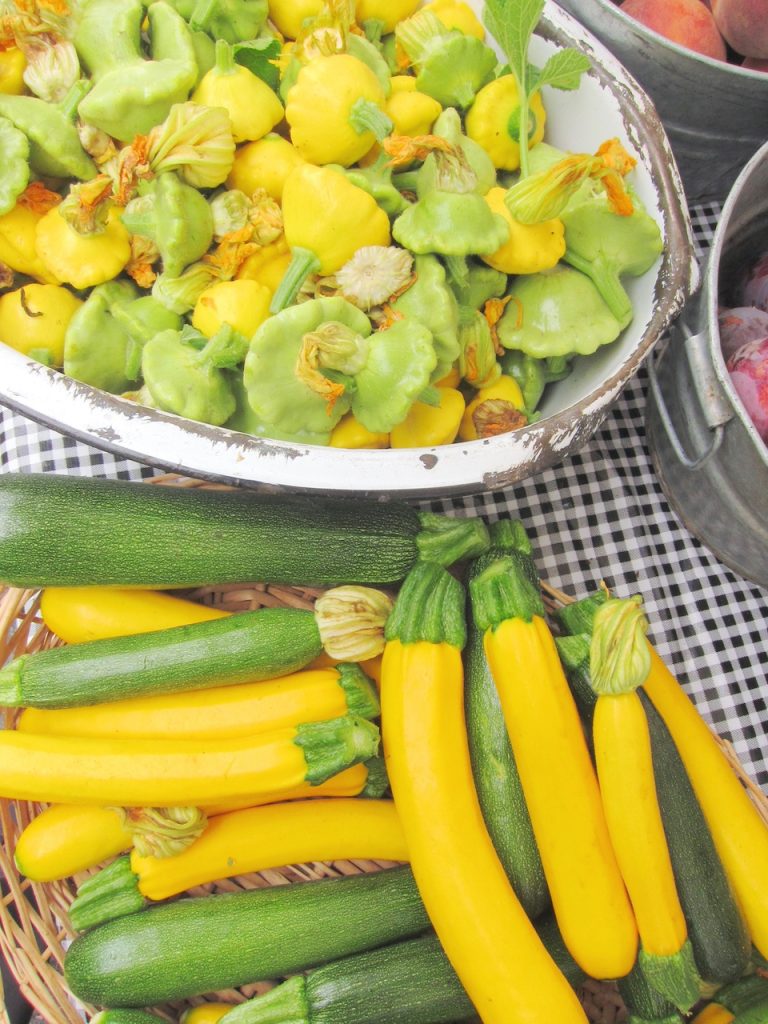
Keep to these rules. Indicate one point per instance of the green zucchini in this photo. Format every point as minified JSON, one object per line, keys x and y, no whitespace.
{"x":81,"y":531}
{"x":205,"y":944}
{"x":247,"y":646}
{"x":715,"y":925}
{"x":643,"y":1002}
{"x":746,"y":999}
{"x":493,"y":764}
{"x":411,"y":982}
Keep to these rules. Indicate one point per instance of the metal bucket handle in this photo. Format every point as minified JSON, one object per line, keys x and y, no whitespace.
{"x":712,"y":399}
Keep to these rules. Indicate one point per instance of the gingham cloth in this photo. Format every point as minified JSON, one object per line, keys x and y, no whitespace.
{"x":600,"y":516}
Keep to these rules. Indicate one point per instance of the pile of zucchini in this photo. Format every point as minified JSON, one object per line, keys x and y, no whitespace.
{"x":553,"y":805}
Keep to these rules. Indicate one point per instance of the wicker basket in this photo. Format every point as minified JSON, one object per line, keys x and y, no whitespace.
{"x":34,"y":927}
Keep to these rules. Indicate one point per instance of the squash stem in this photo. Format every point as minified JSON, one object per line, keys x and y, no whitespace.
{"x":505,"y":587}
{"x":331,"y":746}
{"x":366,"y":116}
{"x":675,"y":977}
{"x":360,"y":693}
{"x":303,"y":263}
{"x":110,"y":893}
{"x":11,"y":682}
{"x":225,"y":58}
{"x":429,"y":608}
{"x":285,"y":1004}
{"x":607,"y":282}
{"x":446,"y":539}
{"x":377,"y":783}
{"x":202,"y":13}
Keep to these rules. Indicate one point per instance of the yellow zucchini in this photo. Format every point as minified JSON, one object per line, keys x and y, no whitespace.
{"x":173,"y":772}
{"x":561,"y":790}
{"x":241,"y":709}
{"x":739,"y":833}
{"x":79,"y":614}
{"x":619,"y":663}
{"x":65,"y":839}
{"x":205,"y":1013}
{"x":488,"y":938}
{"x":242,"y":842}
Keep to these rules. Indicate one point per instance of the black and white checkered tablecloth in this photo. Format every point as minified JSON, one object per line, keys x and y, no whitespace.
{"x":600,"y":516}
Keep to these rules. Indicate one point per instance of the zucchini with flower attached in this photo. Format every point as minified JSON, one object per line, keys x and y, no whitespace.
{"x":619,"y":663}
{"x":242,"y":842}
{"x":243,"y":648}
{"x":58,"y":530}
{"x":715,"y":925}
{"x":64,"y":839}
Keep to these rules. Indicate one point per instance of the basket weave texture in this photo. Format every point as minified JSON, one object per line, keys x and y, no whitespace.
{"x":34,"y":924}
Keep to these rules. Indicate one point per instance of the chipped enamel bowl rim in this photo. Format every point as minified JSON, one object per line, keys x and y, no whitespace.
{"x":608,"y":103}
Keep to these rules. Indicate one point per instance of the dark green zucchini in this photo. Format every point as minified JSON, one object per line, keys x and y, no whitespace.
{"x":493,"y":763}
{"x":81,"y":531}
{"x":410,"y":982}
{"x":746,"y":999}
{"x":248,"y":646}
{"x":197,"y":945}
{"x":718,"y":934}
{"x":644,"y":1003}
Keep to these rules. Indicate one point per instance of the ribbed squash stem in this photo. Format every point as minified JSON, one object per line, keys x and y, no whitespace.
{"x":366,"y":116}
{"x":458,"y":271}
{"x":429,"y":608}
{"x":675,"y":977}
{"x":747,"y":999}
{"x":510,"y":535}
{"x":579,"y":616}
{"x":607,"y":282}
{"x":642,"y":1001}
{"x":448,"y":539}
{"x":225,"y":56}
{"x":111,"y":892}
{"x":377,"y":782}
{"x":331,"y":746}
{"x":505,"y":587}
{"x":303,"y":263}
{"x":285,"y":1004}
{"x":359,"y":691}
{"x":202,"y":13}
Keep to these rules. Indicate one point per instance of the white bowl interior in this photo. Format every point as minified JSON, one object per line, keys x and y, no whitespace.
{"x":607,"y":104}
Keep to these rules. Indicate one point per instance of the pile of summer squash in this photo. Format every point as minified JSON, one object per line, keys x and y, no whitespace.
{"x":558,"y":808}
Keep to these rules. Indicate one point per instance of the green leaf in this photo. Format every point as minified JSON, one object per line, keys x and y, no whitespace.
{"x":563,"y":70}
{"x":257,"y":55}
{"x":511,"y":23}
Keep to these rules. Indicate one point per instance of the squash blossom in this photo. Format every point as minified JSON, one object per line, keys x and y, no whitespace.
{"x":327,"y":219}
{"x":451,"y":67}
{"x":312,"y":363}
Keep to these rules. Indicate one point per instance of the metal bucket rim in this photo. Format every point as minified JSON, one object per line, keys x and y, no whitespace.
{"x":711,"y":63}
{"x":711,"y":292}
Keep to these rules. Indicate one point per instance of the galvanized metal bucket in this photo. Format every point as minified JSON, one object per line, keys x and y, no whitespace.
{"x":712,"y":463}
{"x":715,"y":114}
